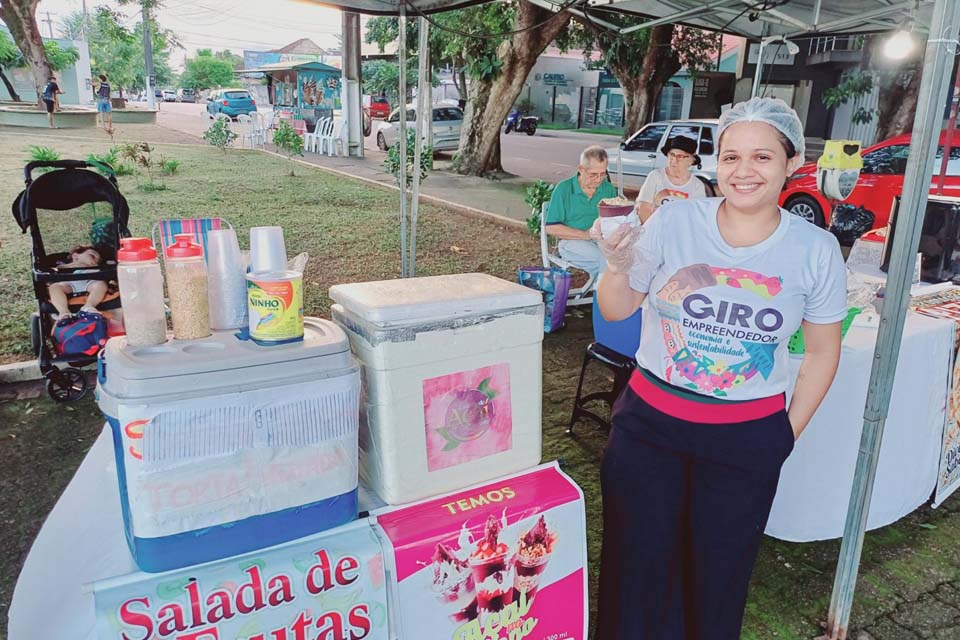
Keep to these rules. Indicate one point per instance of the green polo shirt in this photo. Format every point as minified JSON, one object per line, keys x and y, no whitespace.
{"x":569,"y":205}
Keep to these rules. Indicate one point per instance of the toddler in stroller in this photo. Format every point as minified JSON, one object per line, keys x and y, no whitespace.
{"x":82,"y":259}
{"x":62,"y":280}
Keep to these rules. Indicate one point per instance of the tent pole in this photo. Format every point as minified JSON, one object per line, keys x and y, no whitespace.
{"x":424,"y":119}
{"x":928,"y":120}
{"x":402,"y":139}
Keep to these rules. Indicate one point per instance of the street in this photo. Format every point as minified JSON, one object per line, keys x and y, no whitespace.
{"x":547,"y":155}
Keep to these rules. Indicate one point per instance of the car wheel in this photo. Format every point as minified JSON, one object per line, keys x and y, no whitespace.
{"x":381,"y":141}
{"x":807,"y":208}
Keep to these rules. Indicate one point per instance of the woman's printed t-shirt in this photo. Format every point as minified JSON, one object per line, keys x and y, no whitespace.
{"x":717,"y":318}
{"x":658,"y":181}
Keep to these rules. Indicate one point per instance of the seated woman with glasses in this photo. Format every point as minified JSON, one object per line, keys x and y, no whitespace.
{"x":673,"y":182}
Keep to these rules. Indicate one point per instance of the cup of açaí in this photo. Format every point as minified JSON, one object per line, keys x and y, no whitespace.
{"x":615,"y":212}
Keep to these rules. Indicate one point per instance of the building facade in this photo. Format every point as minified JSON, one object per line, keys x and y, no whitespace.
{"x":75,"y":81}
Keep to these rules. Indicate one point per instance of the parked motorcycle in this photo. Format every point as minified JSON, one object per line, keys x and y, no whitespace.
{"x":522,"y":124}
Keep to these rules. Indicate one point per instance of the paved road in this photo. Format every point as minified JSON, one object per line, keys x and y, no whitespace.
{"x":548,"y":155}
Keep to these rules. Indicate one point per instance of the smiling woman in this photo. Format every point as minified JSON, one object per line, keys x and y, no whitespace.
{"x":700,"y":434}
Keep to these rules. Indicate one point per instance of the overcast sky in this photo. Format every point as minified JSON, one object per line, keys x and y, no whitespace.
{"x":221,"y":24}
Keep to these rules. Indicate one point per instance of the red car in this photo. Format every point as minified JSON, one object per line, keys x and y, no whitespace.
{"x":884,"y":165}
{"x":379,"y":107}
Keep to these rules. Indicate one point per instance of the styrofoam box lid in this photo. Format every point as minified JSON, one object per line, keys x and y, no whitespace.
{"x":324,"y":345}
{"x":410,"y":299}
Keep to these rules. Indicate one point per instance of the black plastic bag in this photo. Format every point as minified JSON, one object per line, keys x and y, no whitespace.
{"x":849,"y":223}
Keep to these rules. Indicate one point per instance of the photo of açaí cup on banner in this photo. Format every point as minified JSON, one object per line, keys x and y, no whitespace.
{"x":615,"y":212}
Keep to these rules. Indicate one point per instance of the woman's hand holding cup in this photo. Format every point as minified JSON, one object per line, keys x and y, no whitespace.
{"x":618,"y":247}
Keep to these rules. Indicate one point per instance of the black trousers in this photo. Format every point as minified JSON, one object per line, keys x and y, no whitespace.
{"x":684,"y":508}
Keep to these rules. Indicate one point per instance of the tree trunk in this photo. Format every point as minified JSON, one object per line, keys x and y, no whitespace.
{"x":20,"y":18}
{"x":640,"y":92}
{"x":9,"y":85}
{"x":898,"y":103}
{"x":490,"y":100}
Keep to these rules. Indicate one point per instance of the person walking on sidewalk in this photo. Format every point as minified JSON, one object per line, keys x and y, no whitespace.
{"x":104,"y":108}
{"x":573,"y":209}
{"x":699,"y":435}
{"x":50,"y":93}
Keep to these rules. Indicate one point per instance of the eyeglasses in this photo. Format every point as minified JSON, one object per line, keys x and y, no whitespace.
{"x":679,"y":156}
{"x":593,"y":175}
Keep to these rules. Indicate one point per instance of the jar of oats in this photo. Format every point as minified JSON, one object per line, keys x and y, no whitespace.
{"x":187,"y":287}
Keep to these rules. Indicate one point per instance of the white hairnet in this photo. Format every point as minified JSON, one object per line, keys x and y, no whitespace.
{"x":774,"y":111}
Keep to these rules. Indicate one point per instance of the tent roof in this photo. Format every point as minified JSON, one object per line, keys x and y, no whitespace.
{"x":749,"y":18}
{"x":758,"y":18}
{"x":291,"y":65}
{"x":392,"y":7}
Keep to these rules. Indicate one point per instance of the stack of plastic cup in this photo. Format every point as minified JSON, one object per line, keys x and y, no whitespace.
{"x":267,"y":250}
{"x":227,"y":281}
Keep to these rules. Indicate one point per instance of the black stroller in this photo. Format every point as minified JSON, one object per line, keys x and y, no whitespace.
{"x":70,"y":185}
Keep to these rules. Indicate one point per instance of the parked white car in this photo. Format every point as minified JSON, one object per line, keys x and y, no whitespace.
{"x":447,"y":121}
{"x":641,"y":151}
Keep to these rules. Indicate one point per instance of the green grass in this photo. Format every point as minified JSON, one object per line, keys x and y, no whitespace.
{"x":350,"y":232}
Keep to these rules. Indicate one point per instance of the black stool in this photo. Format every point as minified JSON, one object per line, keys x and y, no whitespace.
{"x":622,"y":367}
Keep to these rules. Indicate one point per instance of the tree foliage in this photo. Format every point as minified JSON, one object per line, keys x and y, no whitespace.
{"x":12,"y":58}
{"x":118,"y":51}
{"x":205,"y":71}
{"x":641,"y":60}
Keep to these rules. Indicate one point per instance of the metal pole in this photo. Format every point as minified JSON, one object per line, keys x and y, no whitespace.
{"x":926,"y":129}
{"x":352,"y":79}
{"x":759,"y":70}
{"x":148,"y":58}
{"x":83,"y":23}
{"x":424,"y":119}
{"x":402,"y":139}
{"x":620,"y":171}
{"x":948,"y":142}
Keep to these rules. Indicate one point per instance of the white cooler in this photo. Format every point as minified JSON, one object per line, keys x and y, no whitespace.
{"x":224,"y":447}
{"x":452,"y":368}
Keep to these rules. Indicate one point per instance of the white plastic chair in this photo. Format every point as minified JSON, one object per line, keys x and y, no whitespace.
{"x":267,"y":119}
{"x":247,"y":130}
{"x":332,"y":144}
{"x":551,"y":258}
{"x":311,"y":141}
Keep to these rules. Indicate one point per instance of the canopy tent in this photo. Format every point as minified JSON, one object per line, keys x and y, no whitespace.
{"x":765,"y":19}
{"x":759,"y":18}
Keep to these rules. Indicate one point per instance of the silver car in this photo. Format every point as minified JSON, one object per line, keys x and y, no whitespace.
{"x":447,"y":121}
{"x":641,"y":151}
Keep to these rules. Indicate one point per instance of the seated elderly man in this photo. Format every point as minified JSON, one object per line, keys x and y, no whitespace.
{"x":573,"y":209}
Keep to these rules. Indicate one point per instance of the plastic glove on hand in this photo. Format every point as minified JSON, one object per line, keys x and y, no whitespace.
{"x":618,"y":247}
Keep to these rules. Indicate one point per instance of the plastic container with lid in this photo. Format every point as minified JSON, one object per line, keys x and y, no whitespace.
{"x":141,"y":289}
{"x":223,"y":447}
{"x":452,"y":367}
{"x":187,"y":286}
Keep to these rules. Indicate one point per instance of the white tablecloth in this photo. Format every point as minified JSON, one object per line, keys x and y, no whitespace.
{"x":82,"y":541}
{"x":814,"y":491}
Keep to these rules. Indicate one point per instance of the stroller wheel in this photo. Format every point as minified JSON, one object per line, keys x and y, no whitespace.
{"x":67,"y":385}
{"x":36,"y":339}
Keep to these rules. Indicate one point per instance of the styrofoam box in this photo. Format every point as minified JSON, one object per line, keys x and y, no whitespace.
{"x":452,"y":368}
{"x":224,"y":446}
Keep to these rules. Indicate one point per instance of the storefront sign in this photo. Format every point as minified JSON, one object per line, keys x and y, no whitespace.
{"x":554,"y":80}
{"x":701,"y":88}
{"x":502,"y":561}
{"x":608,"y":80}
{"x":329,"y":586}
{"x":948,"y":475}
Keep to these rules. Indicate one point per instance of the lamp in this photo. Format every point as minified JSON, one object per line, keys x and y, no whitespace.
{"x":792,"y":48}
{"x":899,"y":45}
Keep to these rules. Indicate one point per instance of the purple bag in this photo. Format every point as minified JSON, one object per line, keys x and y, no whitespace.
{"x":554,"y":284}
